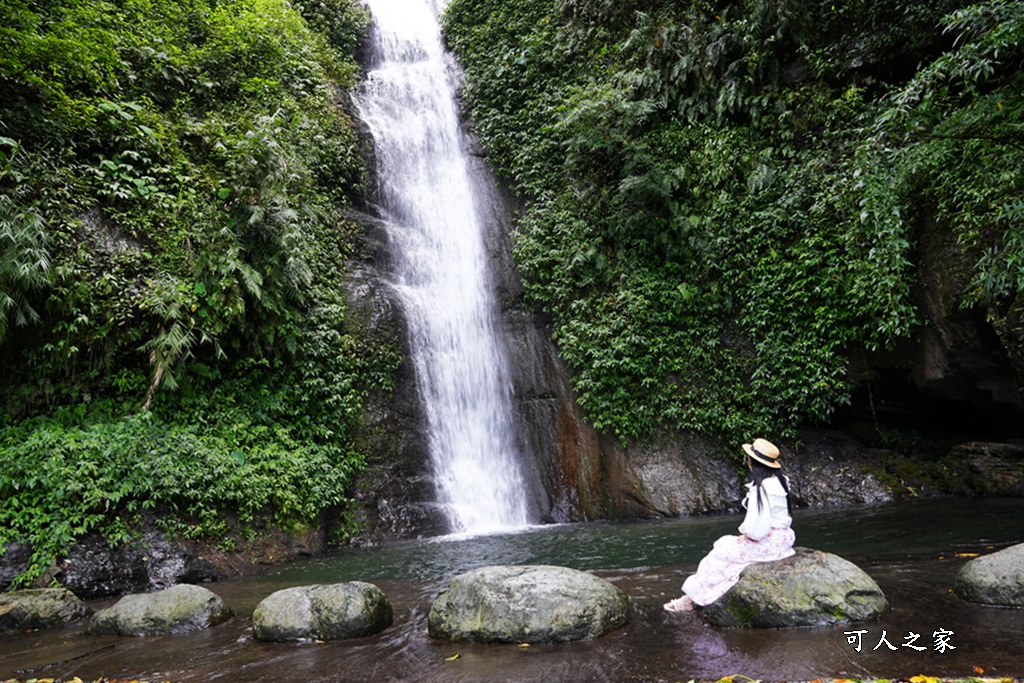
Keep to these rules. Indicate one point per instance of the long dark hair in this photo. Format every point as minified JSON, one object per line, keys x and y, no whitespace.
{"x":760,"y":472}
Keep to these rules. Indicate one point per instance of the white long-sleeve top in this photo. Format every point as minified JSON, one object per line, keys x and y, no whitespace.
{"x":773,"y":511}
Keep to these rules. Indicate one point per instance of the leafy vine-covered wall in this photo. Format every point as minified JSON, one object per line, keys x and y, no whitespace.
{"x":173,"y":332}
{"x":725,"y":198}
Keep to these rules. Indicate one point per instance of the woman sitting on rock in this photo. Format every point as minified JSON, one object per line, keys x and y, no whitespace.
{"x":765,"y":533}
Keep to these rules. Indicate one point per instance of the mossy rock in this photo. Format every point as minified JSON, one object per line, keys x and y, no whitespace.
{"x":527,"y":604}
{"x":996,"y":579}
{"x":178,"y":609}
{"x":335,"y":611}
{"x":37,"y":608}
{"x":809,"y":588}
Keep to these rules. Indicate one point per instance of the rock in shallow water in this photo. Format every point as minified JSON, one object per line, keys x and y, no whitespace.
{"x":39,"y":608}
{"x":527,"y":604}
{"x":996,"y":579}
{"x":809,"y":588}
{"x":177,"y":609}
{"x":336,"y":611}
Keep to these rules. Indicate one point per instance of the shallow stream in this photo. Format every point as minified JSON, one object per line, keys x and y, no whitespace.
{"x":913,"y":549}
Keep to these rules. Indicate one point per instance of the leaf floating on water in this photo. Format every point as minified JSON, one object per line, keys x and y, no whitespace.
{"x":453,"y":657}
{"x":524,"y":645}
{"x":966,"y":554}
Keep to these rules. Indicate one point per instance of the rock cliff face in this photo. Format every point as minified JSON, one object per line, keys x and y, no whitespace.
{"x":957,"y":372}
{"x":396,"y":493}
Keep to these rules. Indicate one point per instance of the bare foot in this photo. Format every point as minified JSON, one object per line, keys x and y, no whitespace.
{"x":683,"y":604}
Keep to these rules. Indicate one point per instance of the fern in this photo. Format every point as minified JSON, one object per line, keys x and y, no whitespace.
{"x":24,"y":253}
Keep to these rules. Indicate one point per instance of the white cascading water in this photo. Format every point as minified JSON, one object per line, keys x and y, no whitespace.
{"x":441,"y":270}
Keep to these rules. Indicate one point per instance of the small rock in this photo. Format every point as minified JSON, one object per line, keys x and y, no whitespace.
{"x":39,"y":608}
{"x":809,"y":588}
{"x":996,"y":579}
{"x":322,"y":612}
{"x":527,"y":604}
{"x":177,"y":609}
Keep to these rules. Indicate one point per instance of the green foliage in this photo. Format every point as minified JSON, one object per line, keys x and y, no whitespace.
{"x":170,"y":173}
{"x":342,"y":22}
{"x":24,"y":256}
{"x":958,"y":127}
{"x":69,"y":475}
{"x":178,"y":161}
{"x":726,"y":196}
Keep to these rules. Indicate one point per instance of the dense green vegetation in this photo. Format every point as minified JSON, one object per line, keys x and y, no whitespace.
{"x":172,"y":329}
{"x":725,"y":195}
{"x":724,"y":202}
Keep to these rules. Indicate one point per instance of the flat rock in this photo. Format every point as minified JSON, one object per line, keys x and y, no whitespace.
{"x":335,"y":611}
{"x":809,"y":588}
{"x":527,"y":604}
{"x":37,"y":608}
{"x":178,"y":609}
{"x":996,"y":579}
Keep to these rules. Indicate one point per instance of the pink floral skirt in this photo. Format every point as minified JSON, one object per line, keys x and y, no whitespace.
{"x":720,"y":569}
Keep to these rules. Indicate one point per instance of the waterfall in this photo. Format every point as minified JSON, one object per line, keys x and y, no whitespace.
{"x":441,"y":269}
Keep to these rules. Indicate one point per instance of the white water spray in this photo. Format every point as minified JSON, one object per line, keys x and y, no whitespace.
{"x":441,"y":270}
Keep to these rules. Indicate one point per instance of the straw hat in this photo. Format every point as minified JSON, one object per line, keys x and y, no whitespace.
{"x":764,"y":452}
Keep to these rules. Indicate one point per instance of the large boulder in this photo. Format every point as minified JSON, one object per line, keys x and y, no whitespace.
{"x":37,"y":608}
{"x":996,"y":579}
{"x":527,"y":604}
{"x":809,"y":588}
{"x":322,"y":612}
{"x":177,"y":609}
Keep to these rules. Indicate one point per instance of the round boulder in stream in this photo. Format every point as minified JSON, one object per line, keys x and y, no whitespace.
{"x":36,"y":608}
{"x":336,"y":611}
{"x":178,"y":609}
{"x":996,"y":579}
{"x":527,"y":604}
{"x":808,"y":588}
